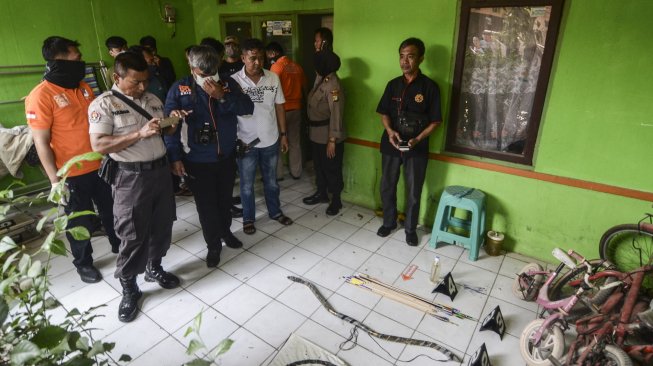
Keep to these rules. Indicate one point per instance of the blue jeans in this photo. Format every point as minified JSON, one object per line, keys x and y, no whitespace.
{"x":266,"y":158}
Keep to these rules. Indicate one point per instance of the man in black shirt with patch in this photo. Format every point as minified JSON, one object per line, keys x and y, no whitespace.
{"x":410,"y":111}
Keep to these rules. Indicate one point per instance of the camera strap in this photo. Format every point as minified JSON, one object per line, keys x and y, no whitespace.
{"x":131,"y":103}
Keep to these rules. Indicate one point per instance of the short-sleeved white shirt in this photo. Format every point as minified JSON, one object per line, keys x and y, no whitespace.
{"x":265,"y":95}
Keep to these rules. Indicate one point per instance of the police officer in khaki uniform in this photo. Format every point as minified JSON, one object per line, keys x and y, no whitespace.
{"x":144,"y":206}
{"x":325,"y":111}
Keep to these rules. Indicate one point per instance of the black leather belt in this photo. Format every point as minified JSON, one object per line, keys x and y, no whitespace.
{"x":140,"y":166}
{"x":323,"y":122}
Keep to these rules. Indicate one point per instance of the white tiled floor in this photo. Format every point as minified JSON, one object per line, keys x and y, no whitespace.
{"x":249,"y":299}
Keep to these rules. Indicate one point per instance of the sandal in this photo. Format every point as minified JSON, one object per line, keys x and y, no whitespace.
{"x":284,"y":220}
{"x":249,"y":228}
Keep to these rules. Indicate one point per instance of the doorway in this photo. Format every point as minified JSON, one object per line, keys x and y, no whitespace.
{"x":295,"y":32}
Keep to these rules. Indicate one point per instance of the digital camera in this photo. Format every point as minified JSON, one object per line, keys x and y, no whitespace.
{"x":206,"y":135}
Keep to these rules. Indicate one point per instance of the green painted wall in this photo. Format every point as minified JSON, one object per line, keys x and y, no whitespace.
{"x":25,"y":24}
{"x":207,"y":20}
{"x":595,"y":125}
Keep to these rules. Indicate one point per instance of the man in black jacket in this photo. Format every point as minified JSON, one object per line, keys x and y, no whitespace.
{"x":164,"y":65}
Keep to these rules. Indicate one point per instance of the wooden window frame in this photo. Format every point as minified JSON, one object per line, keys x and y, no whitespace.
{"x":526,"y":158}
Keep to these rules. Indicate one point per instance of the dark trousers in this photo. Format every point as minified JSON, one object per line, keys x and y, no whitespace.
{"x":212,"y":186}
{"x":328,"y":172}
{"x":85,"y":190}
{"x":143,"y":208}
{"x":414,"y":174}
{"x":176,"y":181}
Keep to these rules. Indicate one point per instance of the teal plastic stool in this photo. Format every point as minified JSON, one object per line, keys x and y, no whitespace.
{"x":465,"y":198}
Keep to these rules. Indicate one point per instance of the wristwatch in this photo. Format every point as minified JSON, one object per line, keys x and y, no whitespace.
{"x":282,"y":134}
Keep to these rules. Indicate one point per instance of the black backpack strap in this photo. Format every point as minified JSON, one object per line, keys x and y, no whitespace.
{"x":133,"y":105}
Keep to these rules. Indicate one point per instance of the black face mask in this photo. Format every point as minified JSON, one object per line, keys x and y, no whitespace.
{"x":64,"y":73}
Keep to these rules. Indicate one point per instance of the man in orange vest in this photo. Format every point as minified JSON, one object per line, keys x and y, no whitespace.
{"x":293,"y":82}
{"x":57,"y":114}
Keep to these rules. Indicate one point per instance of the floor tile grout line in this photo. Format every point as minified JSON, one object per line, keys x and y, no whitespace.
{"x":479,"y":320}
{"x":323,"y":259}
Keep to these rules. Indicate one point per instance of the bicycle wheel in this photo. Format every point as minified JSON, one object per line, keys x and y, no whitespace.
{"x":561,"y":288}
{"x":551,"y":344}
{"x":628,"y":247}
{"x":526,"y":286}
{"x":611,"y":356}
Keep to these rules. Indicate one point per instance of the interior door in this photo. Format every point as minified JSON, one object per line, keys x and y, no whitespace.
{"x":279,"y":28}
{"x":239,"y":27}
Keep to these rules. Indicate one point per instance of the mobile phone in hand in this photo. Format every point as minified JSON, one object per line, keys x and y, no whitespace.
{"x":169,"y":121}
{"x":403,"y":146}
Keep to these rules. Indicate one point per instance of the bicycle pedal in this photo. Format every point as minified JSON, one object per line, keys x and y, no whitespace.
{"x":554,"y":361}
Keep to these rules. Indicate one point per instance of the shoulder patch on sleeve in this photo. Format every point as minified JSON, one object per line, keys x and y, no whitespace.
{"x":184,"y":90}
{"x":335,"y":94}
{"x":94,"y":117}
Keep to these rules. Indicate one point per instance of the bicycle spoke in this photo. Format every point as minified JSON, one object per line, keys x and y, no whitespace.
{"x":629,"y":247}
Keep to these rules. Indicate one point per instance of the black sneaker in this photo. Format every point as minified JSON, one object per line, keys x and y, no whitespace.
{"x":315,"y":199}
{"x":385,"y":231}
{"x":89,"y":274}
{"x":411,"y":239}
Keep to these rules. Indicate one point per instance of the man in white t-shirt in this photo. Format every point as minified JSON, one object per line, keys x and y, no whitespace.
{"x":267,"y":125}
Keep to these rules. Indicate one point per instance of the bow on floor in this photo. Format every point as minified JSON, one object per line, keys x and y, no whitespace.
{"x":370,"y":331}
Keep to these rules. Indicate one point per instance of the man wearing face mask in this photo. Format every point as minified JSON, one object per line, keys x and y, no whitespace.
{"x":210,"y":104}
{"x":326,"y":102}
{"x":56,"y":111}
{"x":125,"y":124}
{"x":233,"y":62}
{"x":293,"y":83}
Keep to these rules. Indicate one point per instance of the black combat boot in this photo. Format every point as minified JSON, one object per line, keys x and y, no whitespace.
{"x":154,"y":272}
{"x":128,"y":307}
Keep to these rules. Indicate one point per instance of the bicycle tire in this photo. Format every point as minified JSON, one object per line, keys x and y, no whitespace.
{"x":551,"y":344}
{"x":560,"y":289}
{"x":629,"y":247}
{"x":612,"y":356}
{"x":526,"y":287}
